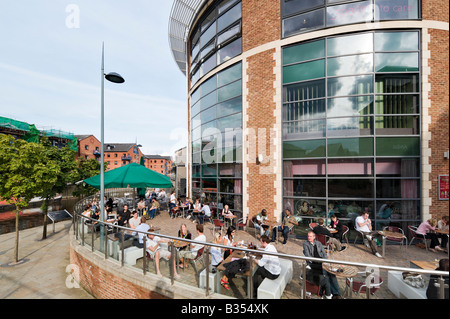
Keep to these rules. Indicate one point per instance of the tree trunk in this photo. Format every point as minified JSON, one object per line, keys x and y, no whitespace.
{"x":44,"y":208}
{"x":16,"y":246}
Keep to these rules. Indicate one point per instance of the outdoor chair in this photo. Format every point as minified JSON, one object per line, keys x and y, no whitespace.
{"x":149,"y":260}
{"x":323,"y":239}
{"x":395,"y":229}
{"x":414,"y":235}
{"x":312,"y":225}
{"x":241,"y":223}
{"x":344,"y":233}
{"x":360,"y":287}
{"x":358,"y":233}
{"x":218,"y":225}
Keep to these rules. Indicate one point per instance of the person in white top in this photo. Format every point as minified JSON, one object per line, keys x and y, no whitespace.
{"x":195,"y":247}
{"x":363,"y":224}
{"x":268,"y":266}
{"x":156,"y":252}
{"x":143,"y":227}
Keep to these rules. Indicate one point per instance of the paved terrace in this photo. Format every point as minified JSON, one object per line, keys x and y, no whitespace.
{"x":43,"y":274}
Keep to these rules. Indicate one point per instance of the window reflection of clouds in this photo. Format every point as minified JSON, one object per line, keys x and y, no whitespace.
{"x":346,"y":65}
{"x":396,"y":41}
{"x":352,"y":44}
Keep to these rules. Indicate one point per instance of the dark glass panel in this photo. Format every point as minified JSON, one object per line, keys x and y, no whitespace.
{"x":350,"y":147}
{"x":293,"y":6}
{"x":397,"y":125}
{"x":304,"y":52}
{"x":307,"y":148}
{"x":350,"y":188}
{"x":304,"y":22}
{"x":398,"y":146}
{"x":305,"y":187}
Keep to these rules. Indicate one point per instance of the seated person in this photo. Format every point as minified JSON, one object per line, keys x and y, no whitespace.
{"x":327,"y":282}
{"x":268,"y":266}
{"x":216,"y":252}
{"x":433,"y":288}
{"x":142,"y":227}
{"x":364,"y":225}
{"x":321,"y":229}
{"x":195,"y":247}
{"x":337,"y":225}
{"x":426,"y":230}
{"x":258,"y":220}
{"x":154,"y":208}
{"x":226,"y":212}
{"x":141,"y":206}
{"x":443,"y":226}
{"x":286,"y":222}
{"x":155,"y":252}
{"x":205,"y":211}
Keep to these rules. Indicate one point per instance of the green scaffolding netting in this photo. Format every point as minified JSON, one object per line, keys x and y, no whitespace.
{"x":10,"y":123}
{"x":33,"y":136}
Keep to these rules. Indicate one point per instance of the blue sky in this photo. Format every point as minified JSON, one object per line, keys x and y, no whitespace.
{"x":50,"y":70}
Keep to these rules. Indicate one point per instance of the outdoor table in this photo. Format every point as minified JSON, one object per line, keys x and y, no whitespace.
{"x":236,"y":254}
{"x":348,"y":272}
{"x":332,"y":230}
{"x":269,"y":223}
{"x":229,"y":219}
{"x":396,"y":235}
{"x":422,"y":264}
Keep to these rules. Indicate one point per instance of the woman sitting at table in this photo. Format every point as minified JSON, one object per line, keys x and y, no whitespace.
{"x":426,"y":230}
{"x":337,"y":225}
{"x":229,"y":241}
{"x":216,"y":252}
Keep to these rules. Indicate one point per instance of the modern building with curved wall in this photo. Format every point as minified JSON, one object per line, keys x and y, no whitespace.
{"x":322,"y":106}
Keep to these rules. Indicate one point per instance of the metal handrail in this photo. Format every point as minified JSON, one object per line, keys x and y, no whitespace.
{"x":252,"y":251}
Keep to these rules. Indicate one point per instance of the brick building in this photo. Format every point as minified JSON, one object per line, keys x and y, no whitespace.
{"x":120,"y":154}
{"x":88,"y":147}
{"x":321,"y":106}
{"x":158,"y":163}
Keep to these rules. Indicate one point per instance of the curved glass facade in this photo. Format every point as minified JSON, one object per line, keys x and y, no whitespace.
{"x":299,"y":16}
{"x":216,"y":38}
{"x":216,"y":122}
{"x":351,"y":127}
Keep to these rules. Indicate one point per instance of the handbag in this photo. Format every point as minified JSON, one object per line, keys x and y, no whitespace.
{"x":413,"y":279}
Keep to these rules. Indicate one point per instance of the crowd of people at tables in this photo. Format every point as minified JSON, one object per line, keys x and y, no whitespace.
{"x":268,"y":266}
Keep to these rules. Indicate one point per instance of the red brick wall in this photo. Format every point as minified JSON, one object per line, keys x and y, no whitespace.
{"x":435,"y":10}
{"x":92,"y":143}
{"x":261,"y":22}
{"x":439,"y":96}
{"x":104,"y":285}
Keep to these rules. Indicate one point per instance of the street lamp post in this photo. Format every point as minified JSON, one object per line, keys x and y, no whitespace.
{"x":115,"y":78}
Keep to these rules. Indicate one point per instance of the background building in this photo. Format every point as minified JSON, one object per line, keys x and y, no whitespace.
{"x":323,"y":106}
{"x":158,"y":163}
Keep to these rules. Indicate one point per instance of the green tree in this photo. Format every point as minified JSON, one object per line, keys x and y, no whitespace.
{"x":56,"y":176}
{"x":84,"y":170}
{"x":22,"y":169}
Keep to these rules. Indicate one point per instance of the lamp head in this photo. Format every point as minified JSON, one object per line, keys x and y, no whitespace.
{"x":114,"y":77}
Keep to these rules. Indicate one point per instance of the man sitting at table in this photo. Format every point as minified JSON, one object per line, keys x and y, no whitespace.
{"x":155,"y":252}
{"x":142,"y":227}
{"x":364,"y":226}
{"x":268,"y":266}
{"x":327,"y":282}
{"x":154,"y":208}
{"x":205,"y":211}
{"x":192,"y":254}
{"x":258,"y":220}
{"x":285,"y":224}
{"x":322,"y":230}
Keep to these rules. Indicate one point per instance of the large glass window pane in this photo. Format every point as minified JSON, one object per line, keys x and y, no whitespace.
{"x":229,"y":106}
{"x":397,"y":210}
{"x":208,"y":100}
{"x":297,"y":168}
{"x":209,"y":18}
{"x":350,"y":85}
{"x":308,"y":207}
{"x":293,"y":6}
{"x":397,"y":188}
{"x":224,"y":5}
{"x":209,"y":170}
{"x":304,"y":22}
{"x":196,"y":158}
{"x":230,"y":170}
{"x":303,"y":129}
{"x":350,"y":147}
{"x":396,"y":62}
{"x":195,"y":109}
{"x":209,"y":114}
{"x":397,"y":125}
{"x":196,"y":146}
{"x":229,"y":17}
{"x":229,"y":91}
{"x":230,"y":74}
{"x":209,"y":184}
{"x":346,"y":65}
{"x":397,"y":83}
{"x":349,"y":13}
{"x":350,"y":126}
{"x":352,"y":44}
{"x":304,"y":71}
{"x":230,"y":51}
{"x":304,"y":52}
{"x":196,"y":170}
{"x":232,"y":154}
{"x":232,"y":137}
{"x":304,"y":91}
{"x":234,"y":202}
{"x":398,"y":146}
{"x":349,"y":209}
{"x":396,"y":9}
{"x":228,"y":34}
{"x":208,"y":65}
{"x":398,"y":167}
{"x":208,"y":34}
{"x":230,"y":185}
{"x":305,"y":110}
{"x":396,"y":104}
{"x":305,"y":187}
{"x":350,"y":188}
{"x":397,"y":41}
{"x":196,"y":133}
{"x":301,"y":149}
{"x":350,"y":167}
{"x":207,"y":49}
{"x":351,"y":105}
{"x":230,"y":122}
{"x":208,"y":86}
